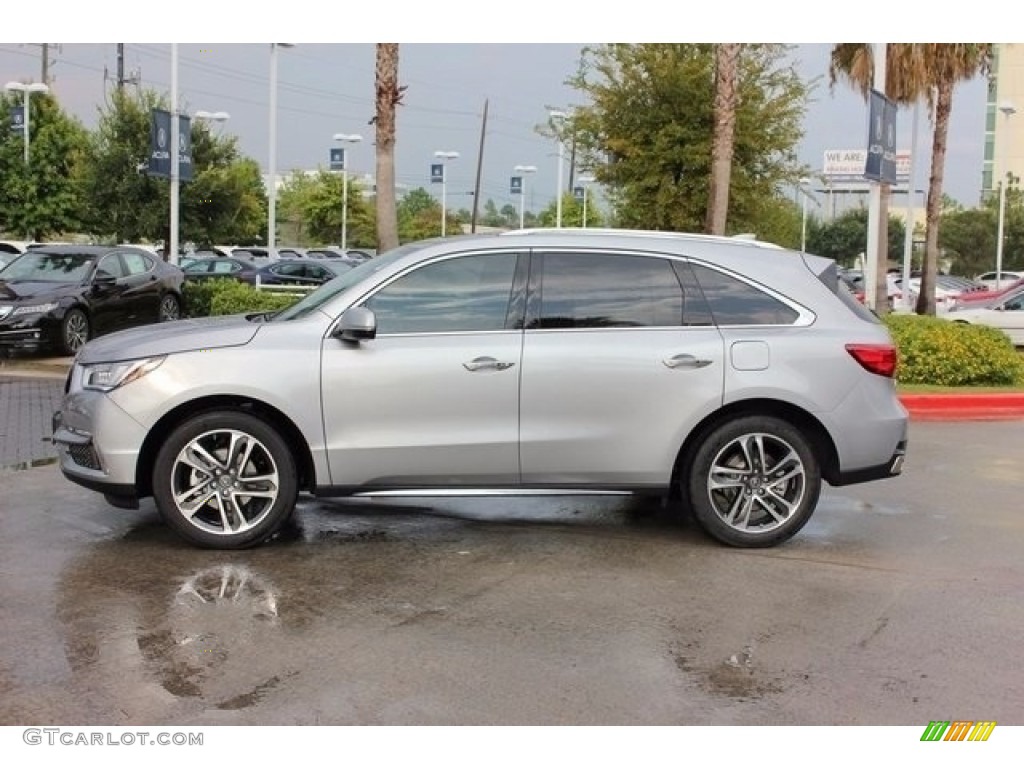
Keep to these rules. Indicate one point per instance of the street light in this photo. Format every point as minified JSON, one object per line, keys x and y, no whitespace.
{"x":444,"y":157}
{"x":1007,"y":109}
{"x":585,"y":181}
{"x":345,"y":138}
{"x":27,"y":89}
{"x":216,"y":117}
{"x":523,"y":169}
{"x":272,"y":186}
{"x":557,"y":115}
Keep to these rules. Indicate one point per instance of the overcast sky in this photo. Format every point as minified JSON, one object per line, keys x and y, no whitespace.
{"x":325,"y":89}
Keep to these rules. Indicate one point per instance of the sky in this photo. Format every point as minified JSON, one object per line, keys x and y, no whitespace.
{"x":326,"y":88}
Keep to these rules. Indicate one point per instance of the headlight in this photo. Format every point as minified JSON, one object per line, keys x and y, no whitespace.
{"x":35,"y":309}
{"x":105,"y":377}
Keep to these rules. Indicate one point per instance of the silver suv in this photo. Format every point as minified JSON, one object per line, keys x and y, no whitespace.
{"x":730,"y":374}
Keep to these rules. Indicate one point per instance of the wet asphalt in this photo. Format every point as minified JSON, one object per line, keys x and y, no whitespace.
{"x":898,"y":604}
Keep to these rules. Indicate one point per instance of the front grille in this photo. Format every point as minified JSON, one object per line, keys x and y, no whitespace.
{"x":84,"y":456}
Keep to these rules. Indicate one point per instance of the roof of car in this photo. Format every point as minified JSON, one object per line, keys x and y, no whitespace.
{"x":95,"y":250}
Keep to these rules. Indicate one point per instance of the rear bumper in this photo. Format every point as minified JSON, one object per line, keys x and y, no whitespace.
{"x":891,"y":468}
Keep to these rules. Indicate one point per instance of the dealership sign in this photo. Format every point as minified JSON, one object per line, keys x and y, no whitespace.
{"x":848,"y":165}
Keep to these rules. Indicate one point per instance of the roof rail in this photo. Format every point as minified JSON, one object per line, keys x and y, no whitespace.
{"x":745,"y":238}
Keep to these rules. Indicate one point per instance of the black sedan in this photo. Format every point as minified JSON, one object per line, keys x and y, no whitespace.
{"x":302,"y":272}
{"x":222,"y":267}
{"x":60,"y":296}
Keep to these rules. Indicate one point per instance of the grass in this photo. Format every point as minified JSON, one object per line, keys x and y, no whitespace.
{"x":925,"y":389}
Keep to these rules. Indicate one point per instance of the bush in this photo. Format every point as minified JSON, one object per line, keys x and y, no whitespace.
{"x":936,"y":351}
{"x":230,"y":297}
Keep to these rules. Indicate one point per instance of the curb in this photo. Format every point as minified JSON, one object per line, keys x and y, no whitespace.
{"x":996,"y":406}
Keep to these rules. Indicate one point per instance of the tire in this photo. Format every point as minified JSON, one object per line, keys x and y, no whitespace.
{"x":201,"y":492}
{"x":74,"y":331}
{"x":170,"y":308}
{"x":753,"y":482}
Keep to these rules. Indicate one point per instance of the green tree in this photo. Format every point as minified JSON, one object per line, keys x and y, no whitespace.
{"x":967,"y":237}
{"x":312,"y":204}
{"x":844,"y":238}
{"x":419,"y":217}
{"x":572,"y":213}
{"x":647,"y":131}
{"x":43,"y":198}
{"x":224,"y":202}
{"x":915,"y":71}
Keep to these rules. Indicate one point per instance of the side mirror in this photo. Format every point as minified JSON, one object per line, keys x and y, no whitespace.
{"x":356,"y":324}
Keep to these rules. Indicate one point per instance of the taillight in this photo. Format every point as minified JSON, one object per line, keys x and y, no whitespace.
{"x":875,"y":358}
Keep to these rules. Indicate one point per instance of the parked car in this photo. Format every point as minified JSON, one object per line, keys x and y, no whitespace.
{"x":948,"y":289}
{"x":291,"y":252}
{"x":301,"y":272}
{"x":970,"y":297}
{"x":215,"y":267}
{"x":9,"y":249}
{"x":989,"y":279}
{"x":1005,"y":312}
{"x":735,"y":375}
{"x":60,"y":296}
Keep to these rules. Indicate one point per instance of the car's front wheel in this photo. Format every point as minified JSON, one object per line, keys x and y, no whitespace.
{"x":753,"y":482}
{"x":225,"y":479}
{"x":74,"y":331}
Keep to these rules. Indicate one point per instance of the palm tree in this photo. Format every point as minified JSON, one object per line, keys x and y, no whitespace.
{"x":722,"y":141}
{"x":389,"y":96}
{"x":915,"y":71}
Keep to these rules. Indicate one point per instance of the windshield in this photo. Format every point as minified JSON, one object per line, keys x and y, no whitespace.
{"x":44,"y":267}
{"x":329,"y":290}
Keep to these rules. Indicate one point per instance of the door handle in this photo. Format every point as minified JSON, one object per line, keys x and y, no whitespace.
{"x":486,"y":363}
{"x":685,"y":361}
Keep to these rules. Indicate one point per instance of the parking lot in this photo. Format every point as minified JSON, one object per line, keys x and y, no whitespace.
{"x":898,"y":604}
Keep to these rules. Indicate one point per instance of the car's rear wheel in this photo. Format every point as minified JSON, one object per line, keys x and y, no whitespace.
{"x":170,"y":308}
{"x":225,"y":480}
{"x":753,"y":482}
{"x":74,"y":331}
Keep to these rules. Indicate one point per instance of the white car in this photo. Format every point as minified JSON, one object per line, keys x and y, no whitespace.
{"x":988,"y":279}
{"x":1005,"y":312}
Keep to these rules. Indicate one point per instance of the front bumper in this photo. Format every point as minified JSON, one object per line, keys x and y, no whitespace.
{"x":98,"y":445}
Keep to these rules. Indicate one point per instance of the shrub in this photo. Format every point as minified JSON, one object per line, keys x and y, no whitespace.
{"x":230,"y":297}
{"x":936,"y":351}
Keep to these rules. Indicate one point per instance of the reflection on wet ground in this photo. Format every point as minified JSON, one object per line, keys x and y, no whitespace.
{"x":569,"y":610}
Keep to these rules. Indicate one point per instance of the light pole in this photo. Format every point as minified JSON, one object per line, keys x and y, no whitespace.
{"x":1007,"y":109}
{"x":560,"y":116}
{"x":175,"y":194}
{"x":444,"y":157}
{"x":803,"y":220}
{"x":27,"y":89}
{"x":523,"y":169}
{"x":345,"y":138}
{"x":585,"y":181}
{"x":215,"y":117}
{"x":272,"y":170}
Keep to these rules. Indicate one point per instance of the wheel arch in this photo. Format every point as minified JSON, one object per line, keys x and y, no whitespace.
{"x":816,"y":433}
{"x":291,"y":434}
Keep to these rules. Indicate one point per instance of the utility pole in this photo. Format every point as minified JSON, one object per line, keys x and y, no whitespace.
{"x":120,"y":68}
{"x":479,"y":170}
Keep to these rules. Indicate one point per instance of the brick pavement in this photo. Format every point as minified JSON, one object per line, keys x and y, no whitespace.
{"x":26,"y":405}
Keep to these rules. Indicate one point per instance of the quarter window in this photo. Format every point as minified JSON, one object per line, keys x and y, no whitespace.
{"x":734,"y":302}
{"x":467,"y":293}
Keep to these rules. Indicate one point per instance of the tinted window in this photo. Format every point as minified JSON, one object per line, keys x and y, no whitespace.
{"x":288,"y":270}
{"x":198,"y":267}
{"x":608,"y":290}
{"x":734,"y":302}
{"x":110,"y":266}
{"x":469,"y":293}
{"x":224,"y":267}
{"x":50,"y":267}
{"x":136,"y":263}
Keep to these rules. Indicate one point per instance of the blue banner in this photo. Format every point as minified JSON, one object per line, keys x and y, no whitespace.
{"x":881,"y":161}
{"x":437,"y":173}
{"x":578,"y":192}
{"x":17,"y":119}
{"x":160,"y":145}
{"x":337,"y":158}
{"x":515,"y":185}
